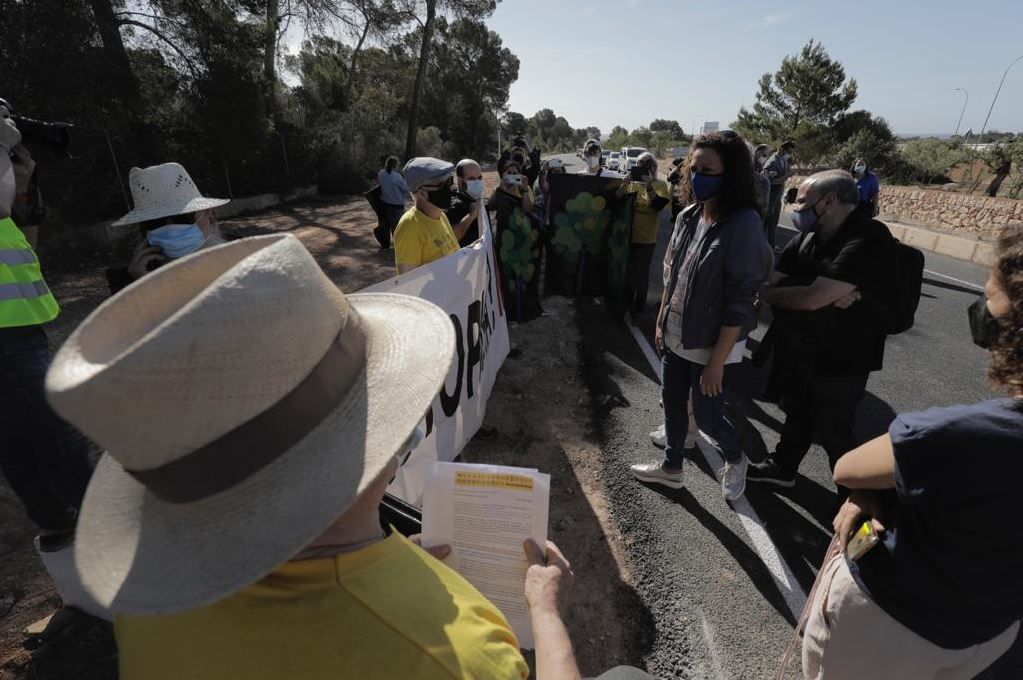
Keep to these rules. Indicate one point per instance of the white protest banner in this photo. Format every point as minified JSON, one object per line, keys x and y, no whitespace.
{"x":466,"y":286}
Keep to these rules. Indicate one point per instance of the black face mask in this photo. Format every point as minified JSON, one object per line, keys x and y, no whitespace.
{"x":983,"y":325}
{"x":441,"y":197}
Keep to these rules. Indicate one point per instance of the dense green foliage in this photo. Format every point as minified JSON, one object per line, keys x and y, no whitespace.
{"x":207,"y":84}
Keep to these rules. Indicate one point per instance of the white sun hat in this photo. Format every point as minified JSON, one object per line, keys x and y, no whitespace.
{"x":164,"y":191}
{"x":243,"y":403}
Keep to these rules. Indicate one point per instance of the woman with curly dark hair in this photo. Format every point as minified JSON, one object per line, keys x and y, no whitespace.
{"x":929,"y":585}
{"x":716,"y":261}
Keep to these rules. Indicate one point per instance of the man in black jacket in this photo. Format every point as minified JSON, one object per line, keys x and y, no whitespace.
{"x":465,"y":206}
{"x":831,"y":295}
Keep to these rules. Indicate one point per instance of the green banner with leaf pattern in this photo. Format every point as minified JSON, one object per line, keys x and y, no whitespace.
{"x":519,"y":246}
{"x":588,"y":237}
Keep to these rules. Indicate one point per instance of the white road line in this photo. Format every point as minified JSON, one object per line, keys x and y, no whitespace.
{"x":780,"y":572}
{"x":711,"y":641}
{"x":648,"y":351}
{"x":952,"y":278}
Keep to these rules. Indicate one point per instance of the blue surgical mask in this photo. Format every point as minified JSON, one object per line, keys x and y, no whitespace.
{"x":806,"y":219}
{"x":177,"y":240}
{"x":474,"y":187}
{"x":705,"y":187}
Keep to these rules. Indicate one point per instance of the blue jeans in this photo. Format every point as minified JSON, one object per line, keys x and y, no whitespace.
{"x":43,"y":458}
{"x":716,"y":417}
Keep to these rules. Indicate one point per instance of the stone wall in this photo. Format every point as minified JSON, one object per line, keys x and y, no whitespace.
{"x":977,"y":215}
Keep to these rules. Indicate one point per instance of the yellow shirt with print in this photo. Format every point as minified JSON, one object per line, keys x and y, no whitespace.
{"x":419,"y":239}
{"x":644,"y":224}
{"x":389,"y":610}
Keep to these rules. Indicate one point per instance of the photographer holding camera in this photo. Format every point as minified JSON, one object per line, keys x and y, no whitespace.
{"x":652,"y":196}
{"x":42,"y":457}
{"x":526,"y":159}
{"x":514,"y":187}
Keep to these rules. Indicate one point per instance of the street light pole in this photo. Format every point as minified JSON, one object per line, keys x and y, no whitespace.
{"x":997,"y":92}
{"x":959,"y":89}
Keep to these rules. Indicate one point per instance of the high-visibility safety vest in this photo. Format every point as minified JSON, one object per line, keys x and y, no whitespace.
{"x":25,"y":299}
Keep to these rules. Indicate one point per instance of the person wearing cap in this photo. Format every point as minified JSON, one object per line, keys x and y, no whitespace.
{"x":43,"y":458}
{"x":652,"y":196}
{"x":173,"y":220}
{"x":465,"y":206}
{"x":424,"y":233}
{"x":591,"y":156}
{"x":232,"y":526}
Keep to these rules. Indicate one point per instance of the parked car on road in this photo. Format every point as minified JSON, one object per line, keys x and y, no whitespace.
{"x":613,"y":160}
{"x":604,"y":156}
{"x":628,"y":157}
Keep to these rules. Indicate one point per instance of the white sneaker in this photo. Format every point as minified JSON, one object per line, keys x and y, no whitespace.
{"x":660,"y":439}
{"x":656,"y":474}
{"x":733,"y":479}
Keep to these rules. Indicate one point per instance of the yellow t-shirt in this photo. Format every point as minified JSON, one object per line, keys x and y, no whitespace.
{"x":644,"y":224}
{"x":389,"y":610}
{"x":515,"y":191}
{"x":419,"y":239}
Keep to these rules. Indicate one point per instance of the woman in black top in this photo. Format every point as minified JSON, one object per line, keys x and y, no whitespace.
{"x":941,"y":594}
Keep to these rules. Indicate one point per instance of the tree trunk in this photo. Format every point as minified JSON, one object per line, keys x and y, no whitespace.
{"x":117,"y":56}
{"x":1000,"y":174}
{"x":424,"y":57}
{"x":273,"y":22}
{"x":350,"y":85}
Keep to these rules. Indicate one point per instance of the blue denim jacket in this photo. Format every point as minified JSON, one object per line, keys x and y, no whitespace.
{"x":733,"y":263}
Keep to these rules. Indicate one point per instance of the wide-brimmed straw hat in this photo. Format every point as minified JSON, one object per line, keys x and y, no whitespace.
{"x":243,"y":403}
{"x":164,"y":191}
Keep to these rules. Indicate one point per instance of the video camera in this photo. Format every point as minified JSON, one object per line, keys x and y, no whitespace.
{"x":54,"y":136}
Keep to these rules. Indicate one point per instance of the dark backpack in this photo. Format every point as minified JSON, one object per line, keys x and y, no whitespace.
{"x":909,"y":278}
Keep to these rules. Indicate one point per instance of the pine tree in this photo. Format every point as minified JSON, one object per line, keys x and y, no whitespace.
{"x":801,"y":101}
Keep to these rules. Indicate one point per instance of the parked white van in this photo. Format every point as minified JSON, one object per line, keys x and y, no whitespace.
{"x":628,"y":157}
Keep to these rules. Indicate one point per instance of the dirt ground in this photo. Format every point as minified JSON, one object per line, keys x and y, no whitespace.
{"x":540,"y":407}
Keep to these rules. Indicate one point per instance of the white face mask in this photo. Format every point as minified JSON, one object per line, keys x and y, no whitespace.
{"x":593,"y":162}
{"x":474,"y":187}
{"x":860,"y":169}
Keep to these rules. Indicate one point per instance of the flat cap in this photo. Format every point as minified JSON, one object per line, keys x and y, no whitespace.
{"x":425,"y":170}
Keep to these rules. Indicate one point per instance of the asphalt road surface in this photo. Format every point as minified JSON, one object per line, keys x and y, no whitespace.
{"x":725,"y":584}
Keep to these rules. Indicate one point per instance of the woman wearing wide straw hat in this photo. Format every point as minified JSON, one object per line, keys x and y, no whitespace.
{"x":173,"y":220}
{"x":252,"y":415}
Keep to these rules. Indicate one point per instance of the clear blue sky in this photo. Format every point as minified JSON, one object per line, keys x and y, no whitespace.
{"x":605,"y":62}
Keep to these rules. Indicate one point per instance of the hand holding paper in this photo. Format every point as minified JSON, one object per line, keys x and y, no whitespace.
{"x":486,"y":513}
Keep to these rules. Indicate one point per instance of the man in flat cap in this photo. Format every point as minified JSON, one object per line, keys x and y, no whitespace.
{"x":424,"y":234}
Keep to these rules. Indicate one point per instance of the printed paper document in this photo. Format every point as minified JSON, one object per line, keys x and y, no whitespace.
{"x":485,"y":513}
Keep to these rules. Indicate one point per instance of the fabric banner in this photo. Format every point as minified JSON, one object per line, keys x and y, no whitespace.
{"x":465,"y":285}
{"x":588,"y":237}
{"x":518,"y":244}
